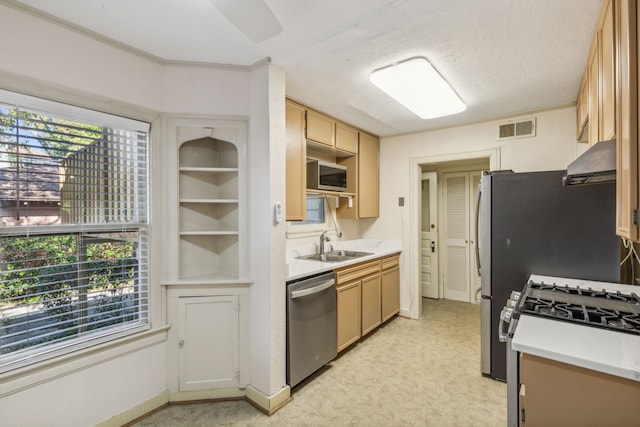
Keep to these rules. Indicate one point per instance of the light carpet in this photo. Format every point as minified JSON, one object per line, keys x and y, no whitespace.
{"x":407,"y":373}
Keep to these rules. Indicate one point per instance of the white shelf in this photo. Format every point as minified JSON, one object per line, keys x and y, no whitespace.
{"x":221,"y":201}
{"x":207,"y":170}
{"x":208,"y":233}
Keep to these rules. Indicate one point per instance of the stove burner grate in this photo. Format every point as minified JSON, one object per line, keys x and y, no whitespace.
{"x":598,"y":308}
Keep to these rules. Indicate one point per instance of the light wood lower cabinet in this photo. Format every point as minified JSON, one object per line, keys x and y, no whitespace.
{"x":558,"y":394}
{"x":371,"y":312}
{"x":348,"y":312}
{"x":390,"y":292}
{"x":368,"y":294}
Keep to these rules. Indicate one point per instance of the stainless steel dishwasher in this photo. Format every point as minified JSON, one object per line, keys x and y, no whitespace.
{"x":311,"y":325}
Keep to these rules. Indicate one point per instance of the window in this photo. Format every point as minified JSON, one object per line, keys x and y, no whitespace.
{"x":320,"y":217}
{"x":73,"y":228}
{"x":315,"y":211}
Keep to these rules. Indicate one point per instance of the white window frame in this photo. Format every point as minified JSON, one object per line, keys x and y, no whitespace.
{"x":306,"y":230}
{"x":79,"y":346}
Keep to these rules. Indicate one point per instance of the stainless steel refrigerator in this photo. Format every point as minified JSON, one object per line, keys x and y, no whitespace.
{"x":531,"y":224}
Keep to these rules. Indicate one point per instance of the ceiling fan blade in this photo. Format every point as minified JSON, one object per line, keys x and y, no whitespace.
{"x":252,"y":17}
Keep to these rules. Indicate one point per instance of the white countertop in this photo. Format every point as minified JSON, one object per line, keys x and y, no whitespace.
{"x":298,"y":268}
{"x":615,"y":353}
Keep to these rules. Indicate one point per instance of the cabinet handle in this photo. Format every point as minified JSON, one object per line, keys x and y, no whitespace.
{"x":181,"y":343}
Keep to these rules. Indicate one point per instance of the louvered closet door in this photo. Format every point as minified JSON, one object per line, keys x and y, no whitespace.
{"x":456,"y":228}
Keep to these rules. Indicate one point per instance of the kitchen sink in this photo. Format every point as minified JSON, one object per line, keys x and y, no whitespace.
{"x":335,"y":256}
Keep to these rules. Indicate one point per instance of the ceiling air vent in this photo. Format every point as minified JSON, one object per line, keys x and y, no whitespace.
{"x":520,"y":129}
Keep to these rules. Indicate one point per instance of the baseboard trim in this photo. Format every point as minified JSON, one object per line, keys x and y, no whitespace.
{"x":138,"y":412}
{"x":208,"y":395}
{"x":405,"y":313}
{"x":268,"y":404}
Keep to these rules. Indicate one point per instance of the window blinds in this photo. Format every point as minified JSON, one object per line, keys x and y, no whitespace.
{"x":73,"y":229}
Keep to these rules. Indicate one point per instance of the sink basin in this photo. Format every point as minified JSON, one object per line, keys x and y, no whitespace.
{"x":350,"y":254}
{"x":335,"y":256}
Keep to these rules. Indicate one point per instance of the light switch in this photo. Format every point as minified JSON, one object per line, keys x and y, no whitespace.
{"x":277,"y":212}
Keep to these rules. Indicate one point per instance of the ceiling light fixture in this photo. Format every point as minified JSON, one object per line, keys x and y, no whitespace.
{"x":415,"y":84}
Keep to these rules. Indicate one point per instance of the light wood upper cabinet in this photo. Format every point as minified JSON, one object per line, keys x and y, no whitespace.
{"x":321,"y":128}
{"x":607,"y":47}
{"x":368,"y":176}
{"x":598,"y":108}
{"x":296,"y":166}
{"x":594,"y":97}
{"x":346,"y":138}
{"x":627,"y":16}
{"x":582,"y":109}
{"x":317,"y":135}
{"x":613,"y":110}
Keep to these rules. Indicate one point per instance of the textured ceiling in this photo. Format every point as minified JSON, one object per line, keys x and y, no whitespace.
{"x":503,"y":57}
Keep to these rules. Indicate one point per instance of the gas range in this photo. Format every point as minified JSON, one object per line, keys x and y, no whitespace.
{"x":594,"y":325}
{"x":587,"y":305}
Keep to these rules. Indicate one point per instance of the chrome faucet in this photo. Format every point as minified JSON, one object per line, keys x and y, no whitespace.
{"x":323,"y":238}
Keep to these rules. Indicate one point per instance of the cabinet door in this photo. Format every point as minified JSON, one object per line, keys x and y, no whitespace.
{"x":607,"y":125}
{"x":594,"y":96}
{"x":390,"y":293}
{"x":296,"y":167}
{"x":582,"y":109}
{"x":627,"y":152}
{"x":369,"y":176}
{"x":321,"y":128}
{"x":547,"y":385}
{"x":371,"y":310}
{"x":348,"y":312}
{"x":208,"y":342}
{"x":346,"y":138}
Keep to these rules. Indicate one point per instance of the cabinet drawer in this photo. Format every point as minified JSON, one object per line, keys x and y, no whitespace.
{"x":355,"y":271}
{"x":390,"y":262}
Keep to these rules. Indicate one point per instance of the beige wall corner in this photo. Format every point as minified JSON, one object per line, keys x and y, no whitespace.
{"x":268,"y":404}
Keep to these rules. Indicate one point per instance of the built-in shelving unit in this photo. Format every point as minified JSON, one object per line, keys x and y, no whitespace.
{"x":206,"y":270}
{"x":208,"y":191}
{"x":209,"y":194}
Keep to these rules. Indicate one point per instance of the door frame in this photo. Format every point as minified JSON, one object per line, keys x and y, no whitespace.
{"x":434,"y":211}
{"x":415,"y":169}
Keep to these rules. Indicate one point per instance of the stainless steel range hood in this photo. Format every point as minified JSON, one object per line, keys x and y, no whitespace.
{"x":597,"y":164}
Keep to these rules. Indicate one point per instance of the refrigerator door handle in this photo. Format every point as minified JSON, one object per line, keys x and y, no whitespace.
{"x":478,"y":201}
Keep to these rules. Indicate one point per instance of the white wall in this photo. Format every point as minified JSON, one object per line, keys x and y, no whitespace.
{"x":100,"y":76}
{"x":267,"y":185}
{"x":553,"y":147}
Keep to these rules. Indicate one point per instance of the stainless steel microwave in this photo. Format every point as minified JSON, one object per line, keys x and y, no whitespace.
{"x":326,"y":176}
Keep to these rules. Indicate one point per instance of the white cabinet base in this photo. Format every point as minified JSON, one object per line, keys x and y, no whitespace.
{"x":208,"y":342}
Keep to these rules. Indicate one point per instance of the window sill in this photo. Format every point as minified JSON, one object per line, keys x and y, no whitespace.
{"x":29,"y":376}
